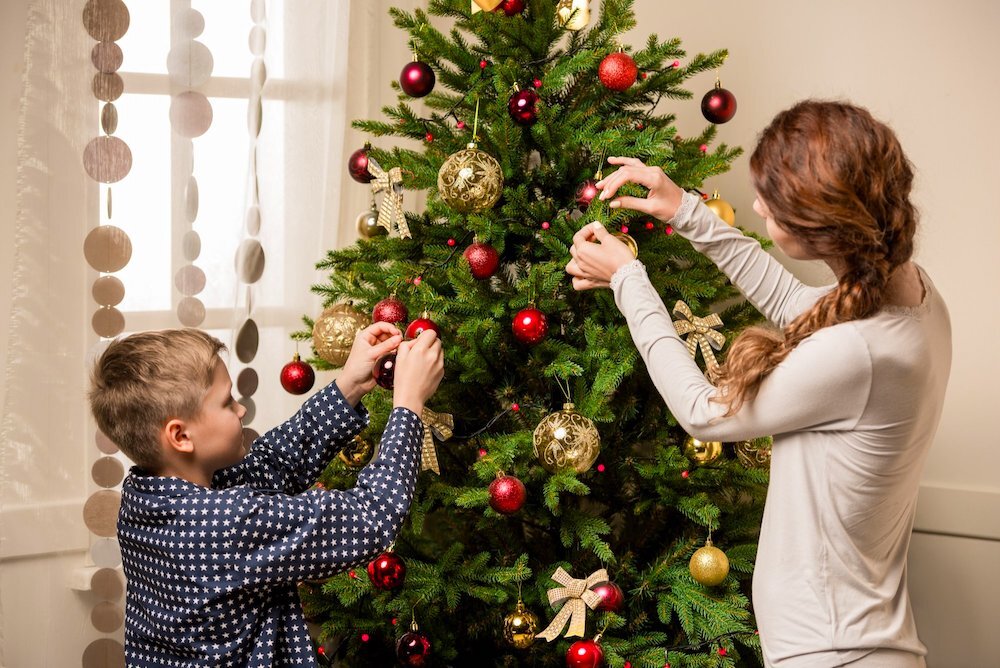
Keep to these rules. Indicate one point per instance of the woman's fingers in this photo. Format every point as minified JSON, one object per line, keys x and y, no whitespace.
{"x":625,"y":160}
{"x":581,"y":284}
{"x":583,"y":234}
{"x":640,"y":204}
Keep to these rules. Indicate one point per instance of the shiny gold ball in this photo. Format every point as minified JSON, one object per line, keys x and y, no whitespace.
{"x":755,"y":454}
{"x":566,"y":439}
{"x":367,"y":225}
{"x":470,"y":181}
{"x":357,"y":453}
{"x":628,"y":241}
{"x":702,"y":452}
{"x":520,"y":627}
{"x":722,"y":208}
{"x":334,"y":332}
{"x":709,"y":565}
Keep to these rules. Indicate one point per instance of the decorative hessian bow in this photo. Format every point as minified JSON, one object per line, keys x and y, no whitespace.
{"x":702,"y":335}
{"x":390,"y":213}
{"x":574,"y":597}
{"x":435,"y":424}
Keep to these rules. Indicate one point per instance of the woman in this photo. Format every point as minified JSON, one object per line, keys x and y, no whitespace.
{"x":850,"y":384}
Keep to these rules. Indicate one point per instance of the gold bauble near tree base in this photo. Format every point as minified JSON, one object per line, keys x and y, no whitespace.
{"x":566,"y":439}
{"x":722,"y":208}
{"x":709,"y":565}
{"x":357,"y":453}
{"x":520,"y":627}
{"x":627,"y":239}
{"x":470,"y":181}
{"x":702,"y":452}
{"x":334,"y":332}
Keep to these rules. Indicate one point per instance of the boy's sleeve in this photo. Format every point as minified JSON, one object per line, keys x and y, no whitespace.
{"x":284,"y":538}
{"x":291,"y":456}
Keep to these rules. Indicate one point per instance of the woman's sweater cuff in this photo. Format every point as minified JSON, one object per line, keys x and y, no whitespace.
{"x":632,"y":268}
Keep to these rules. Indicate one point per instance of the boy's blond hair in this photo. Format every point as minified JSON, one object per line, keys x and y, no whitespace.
{"x":144,"y":380}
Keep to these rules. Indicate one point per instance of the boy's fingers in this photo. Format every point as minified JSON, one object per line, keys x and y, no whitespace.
{"x":386,"y":346}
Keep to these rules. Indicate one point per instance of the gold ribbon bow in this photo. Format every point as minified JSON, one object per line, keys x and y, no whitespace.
{"x":435,"y":424}
{"x":574,"y":597}
{"x":702,"y":335}
{"x":390,"y":213}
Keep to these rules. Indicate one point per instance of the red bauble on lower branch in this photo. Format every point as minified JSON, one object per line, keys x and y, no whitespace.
{"x":530,"y":326}
{"x":617,"y":71}
{"x":612,"y":597}
{"x":413,"y":648}
{"x":387,"y":571}
{"x":523,"y":107}
{"x":483,"y":260}
{"x":585,"y":654}
{"x":297,"y":377}
{"x":507,"y":494}
{"x":384,"y":371}
{"x":391,"y":310}
{"x":414,"y":329}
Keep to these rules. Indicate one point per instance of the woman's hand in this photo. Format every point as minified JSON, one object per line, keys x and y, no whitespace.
{"x":594,"y":264}
{"x":662,"y":200}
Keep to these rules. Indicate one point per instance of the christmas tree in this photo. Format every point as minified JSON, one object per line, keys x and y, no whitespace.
{"x":523,"y":105}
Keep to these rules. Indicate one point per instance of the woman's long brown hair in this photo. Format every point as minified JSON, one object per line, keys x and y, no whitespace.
{"x":838,"y":181}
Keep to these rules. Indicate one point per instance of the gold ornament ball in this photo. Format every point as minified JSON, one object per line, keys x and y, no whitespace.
{"x":628,"y":241}
{"x":566,"y":439}
{"x":470,"y":181}
{"x":702,"y":452}
{"x":520,"y":627}
{"x":367,"y":225}
{"x":357,"y":453}
{"x":754,"y":454}
{"x":722,"y":208}
{"x":709,"y":565}
{"x":334,"y":332}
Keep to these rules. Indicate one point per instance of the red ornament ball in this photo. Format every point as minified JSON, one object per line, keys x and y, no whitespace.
{"x":584,"y":654}
{"x":387,"y":571}
{"x":417,"y":79}
{"x":391,"y":310}
{"x":420,"y":324}
{"x":510,"y":7}
{"x":428,"y":137}
{"x":586,"y":193}
{"x":530,"y":326}
{"x":522,"y":107}
{"x":718,"y":106}
{"x":297,"y":377}
{"x":612,"y":598}
{"x":384,"y":371}
{"x":617,"y":71}
{"x":413,"y":649}
{"x":357,"y":166}
{"x":507,"y":495}
{"x":483,"y":64}
{"x":483,"y":260}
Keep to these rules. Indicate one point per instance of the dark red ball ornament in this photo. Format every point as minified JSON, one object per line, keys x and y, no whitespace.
{"x":530,"y":326}
{"x":417,"y":79}
{"x":391,"y":310}
{"x":719,"y":105}
{"x":420,"y":324}
{"x":617,"y":71}
{"x":384,"y":371}
{"x":297,"y":377}
{"x":510,"y":7}
{"x":586,"y":193}
{"x":357,"y":165}
{"x":413,"y":648}
{"x":483,"y":260}
{"x":612,"y":597}
{"x":584,"y":654}
{"x":507,"y":495}
{"x":387,"y":571}
{"x":523,"y":107}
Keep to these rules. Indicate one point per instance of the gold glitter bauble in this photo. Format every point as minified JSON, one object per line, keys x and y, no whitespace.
{"x":470,"y":181}
{"x":722,"y":208}
{"x":334,"y":332}
{"x":520,"y":627}
{"x":754,"y":454}
{"x":628,"y":241}
{"x":709,"y":565}
{"x":357,"y":453}
{"x":702,"y":452}
{"x":566,"y":439}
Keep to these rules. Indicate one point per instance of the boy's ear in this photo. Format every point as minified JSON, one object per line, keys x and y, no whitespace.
{"x":176,"y":436}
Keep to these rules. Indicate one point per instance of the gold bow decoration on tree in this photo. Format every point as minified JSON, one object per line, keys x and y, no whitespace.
{"x":572,"y":599}
{"x":435,"y":424}
{"x":390,"y":214}
{"x":701,"y":334}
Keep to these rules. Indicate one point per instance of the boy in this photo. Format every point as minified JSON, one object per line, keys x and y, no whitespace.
{"x":215,"y":537}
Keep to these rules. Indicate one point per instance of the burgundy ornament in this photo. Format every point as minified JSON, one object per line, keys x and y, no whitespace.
{"x":530,"y":326}
{"x":584,"y":654}
{"x":586,"y":193}
{"x":417,"y":79}
{"x":483,"y":260}
{"x":617,"y":71}
{"x":510,"y":7}
{"x":297,"y":377}
{"x":357,"y":165}
{"x":391,"y":310}
{"x":384,"y":371}
{"x":420,"y":324}
{"x":413,"y":648}
{"x":612,"y":597}
{"x":387,"y":571}
{"x":522,"y":107}
{"x":507,"y":495}
{"x":719,"y":105}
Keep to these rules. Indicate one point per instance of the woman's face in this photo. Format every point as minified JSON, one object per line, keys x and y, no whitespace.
{"x":785,"y":240}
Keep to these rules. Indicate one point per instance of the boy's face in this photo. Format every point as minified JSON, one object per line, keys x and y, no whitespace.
{"x":217,"y":430}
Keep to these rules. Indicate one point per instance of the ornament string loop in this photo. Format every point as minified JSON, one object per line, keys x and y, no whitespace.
{"x":390,"y":214}
{"x":435,"y":424}
{"x":572,"y":600}
{"x":701,"y":335}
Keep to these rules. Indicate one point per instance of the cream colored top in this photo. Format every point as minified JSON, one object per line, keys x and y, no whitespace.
{"x":853,"y":410}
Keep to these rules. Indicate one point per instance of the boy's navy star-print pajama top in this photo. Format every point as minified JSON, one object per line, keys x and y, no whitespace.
{"x":212,"y":573}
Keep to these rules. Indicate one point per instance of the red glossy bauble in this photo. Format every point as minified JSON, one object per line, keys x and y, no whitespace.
{"x":522,"y":107}
{"x":297,"y":377}
{"x":617,"y":71}
{"x":612,"y":597}
{"x":586,"y":193}
{"x":357,"y":166}
{"x":384,"y":371}
{"x":718,"y":106}
{"x":391,"y":310}
{"x":507,"y":495}
{"x":413,"y":649}
{"x":417,"y":79}
{"x":483,"y":260}
{"x":387,"y":571}
{"x":510,"y":7}
{"x":530,"y":326}
{"x":584,"y":654}
{"x":420,"y":324}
